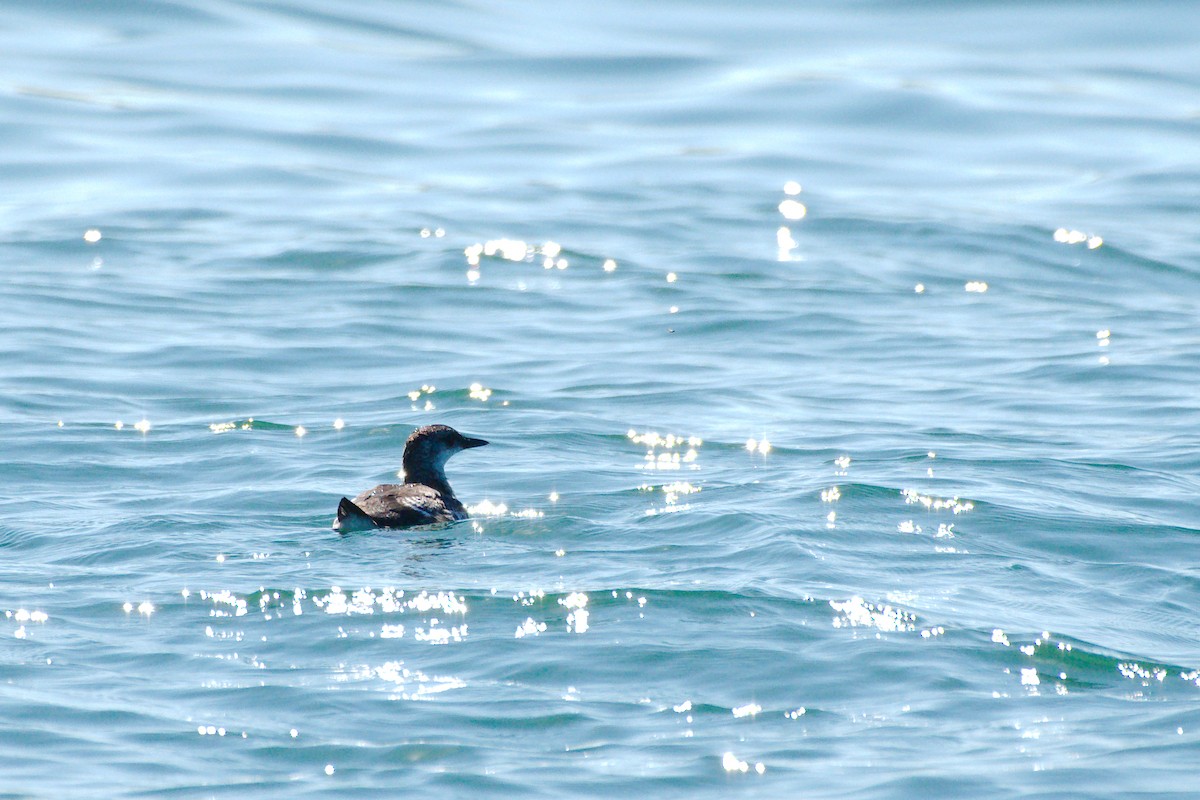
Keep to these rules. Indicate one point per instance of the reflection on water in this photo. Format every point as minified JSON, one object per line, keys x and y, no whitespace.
{"x":954,"y":504}
{"x":1064,"y":236}
{"x":22,"y":616}
{"x":402,"y":683}
{"x":732,"y":763}
{"x":761,"y":446}
{"x":858,"y":613}
{"x":664,"y":452}
{"x":671,"y":494}
{"x":548,"y":254}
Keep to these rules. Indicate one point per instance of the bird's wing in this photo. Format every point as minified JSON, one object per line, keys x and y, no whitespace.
{"x":404,"y":505}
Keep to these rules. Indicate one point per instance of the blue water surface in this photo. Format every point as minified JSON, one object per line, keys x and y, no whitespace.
{"x":839,"y":361}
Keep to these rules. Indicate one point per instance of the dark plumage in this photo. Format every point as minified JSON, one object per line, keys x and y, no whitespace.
{"x":425,"y":497}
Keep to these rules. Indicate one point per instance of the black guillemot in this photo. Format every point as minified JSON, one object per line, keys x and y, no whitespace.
{"x":425,"y":497}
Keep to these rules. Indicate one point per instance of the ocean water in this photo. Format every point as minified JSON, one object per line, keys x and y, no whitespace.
{"x":839,"y":362}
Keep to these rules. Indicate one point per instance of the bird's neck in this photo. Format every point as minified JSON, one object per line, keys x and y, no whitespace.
{"x":429,"y":476}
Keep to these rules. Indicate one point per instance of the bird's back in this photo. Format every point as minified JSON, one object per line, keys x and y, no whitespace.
{"x":402,"y":505}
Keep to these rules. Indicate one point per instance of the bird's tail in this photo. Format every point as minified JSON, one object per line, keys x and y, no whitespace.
{"x":352,"y":518}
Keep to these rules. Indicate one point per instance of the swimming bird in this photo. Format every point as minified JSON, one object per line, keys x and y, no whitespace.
{"x":425,"y":497}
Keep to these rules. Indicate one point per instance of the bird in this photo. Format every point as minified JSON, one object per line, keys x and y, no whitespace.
{"x":425,"y":497}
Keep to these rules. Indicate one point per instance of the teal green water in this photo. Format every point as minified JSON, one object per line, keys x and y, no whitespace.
{"x":839,"y":363}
